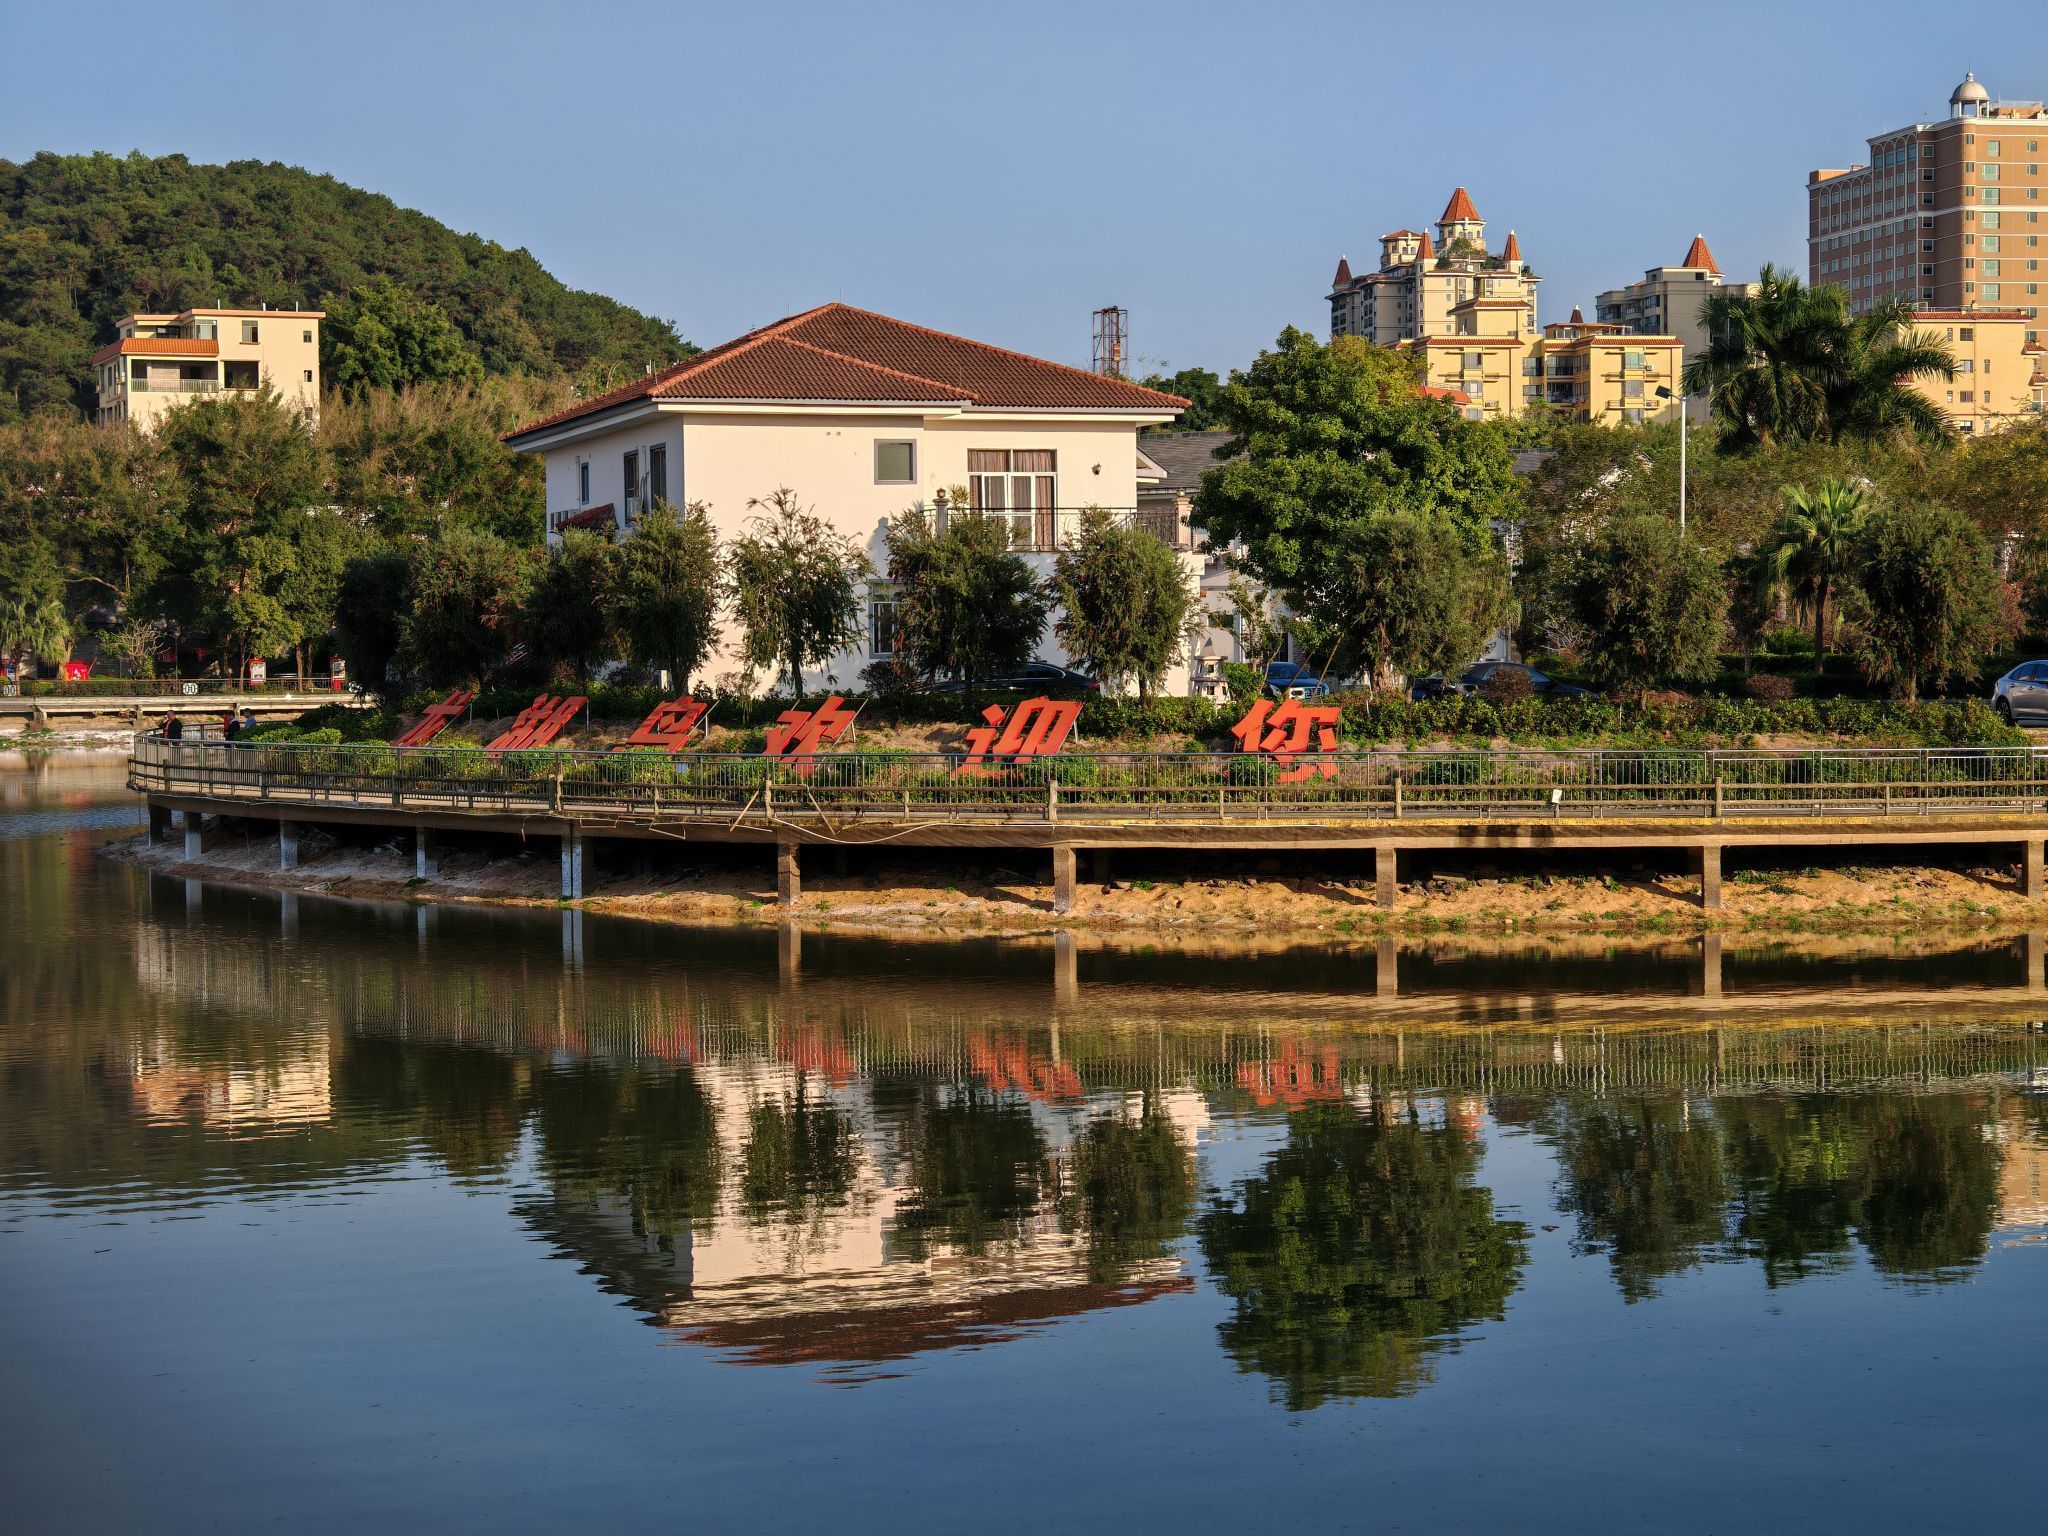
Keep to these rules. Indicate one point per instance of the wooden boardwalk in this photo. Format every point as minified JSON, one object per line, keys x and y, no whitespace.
{"x":1384,"y":803}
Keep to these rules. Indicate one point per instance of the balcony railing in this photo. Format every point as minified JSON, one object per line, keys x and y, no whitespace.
{"x":1047,"y":530}
{"x":175,"y":386}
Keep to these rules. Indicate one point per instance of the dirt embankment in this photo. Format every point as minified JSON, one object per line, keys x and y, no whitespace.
{"x":1009,"y":892}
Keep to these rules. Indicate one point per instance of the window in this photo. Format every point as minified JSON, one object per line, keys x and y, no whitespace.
{"x":309,"y":375}
{"x":306,"y":337}
{"x":1994,"y":149}
{"x":1989,"y":173}
{"x":657,"y":474}
{"x":1474,"y":361}
{"x":895,"y":463}
{"x":1020,"y":483}
{"x":583,"y":481}
{"x":248,"y":333}
{"x":629,"y":481}
{"x":1631,"y":359}
{"x":1632,"y":389}
{"x":1633,"y":415}
{"x":882,"y":621}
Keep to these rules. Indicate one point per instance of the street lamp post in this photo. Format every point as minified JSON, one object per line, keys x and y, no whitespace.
{"x":1663,"y":393}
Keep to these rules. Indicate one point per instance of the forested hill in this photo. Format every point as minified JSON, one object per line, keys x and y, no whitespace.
{"x":85,"y":239}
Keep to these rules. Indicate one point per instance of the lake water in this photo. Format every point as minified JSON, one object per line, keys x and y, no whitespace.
{"x":318,"y":1215}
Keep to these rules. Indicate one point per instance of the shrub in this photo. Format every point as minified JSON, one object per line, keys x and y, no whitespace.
{"x":1507,"y":685}
{"x":1769,"y":687}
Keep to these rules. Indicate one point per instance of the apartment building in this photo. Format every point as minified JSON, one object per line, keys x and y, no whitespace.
{"x":1604,"y":373}
{"x":157,"y":362}
{"x":1671,"y":301}
{"x":1422,"y":281}
{"x":2001,"y":369}
{"x":1945,"y":214}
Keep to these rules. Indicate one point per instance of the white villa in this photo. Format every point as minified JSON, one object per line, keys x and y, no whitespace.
{"x":862,"y":417}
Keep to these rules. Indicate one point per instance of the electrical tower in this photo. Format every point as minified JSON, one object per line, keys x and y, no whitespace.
{"x":1111,"y":341}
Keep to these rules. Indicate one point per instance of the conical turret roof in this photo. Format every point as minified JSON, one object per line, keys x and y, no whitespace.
{"x":1698,"y":256}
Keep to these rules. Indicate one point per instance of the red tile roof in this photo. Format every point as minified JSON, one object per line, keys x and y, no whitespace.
{"x":1427,"y":249}
{"x":1443,"y":392}
{"x":156,"y":346}
{"x":590,"y":517}
{"x":1343,"y":277}
{"x":1402,"y":234}
{"x":839,"y":354}
{"x":1459,"y":207}
{"x":1578,"y":315}
{"x":1698,"y":256}
{"x":1512,"y":251}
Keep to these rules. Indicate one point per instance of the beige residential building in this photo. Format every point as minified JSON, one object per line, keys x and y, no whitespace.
{"x":2001,"y":369}
{"x":156,"y":362}
{"x":1670,"y":301}
{"x":1604,"y":374}
{"x":1945,"y":214}
{"x":1421,"y":282}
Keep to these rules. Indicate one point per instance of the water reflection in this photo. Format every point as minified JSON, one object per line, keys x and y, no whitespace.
{"x":850,"y":1154}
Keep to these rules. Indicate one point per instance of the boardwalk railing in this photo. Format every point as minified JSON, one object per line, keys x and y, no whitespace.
{"x":1369,"y":784}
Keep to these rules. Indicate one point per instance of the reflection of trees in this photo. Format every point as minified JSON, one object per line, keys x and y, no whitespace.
{"x":1646,"y":1181}
{"x":1785,"y":1180}
{"x":1130,"y":1189}
{"x":800,"y":1159}
{"x":975,"y":1169}
{"x":1930,"y":1187}
{"x":1361,"y":1247}
{"x":462,"y":1102}
{"x":647,"y":1137}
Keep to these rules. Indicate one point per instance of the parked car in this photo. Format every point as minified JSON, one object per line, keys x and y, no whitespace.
{"x":1032,"y":677}
{"x":1473,"y":679}
{"x":2021,"y":696}
{"x":1292,"y":680}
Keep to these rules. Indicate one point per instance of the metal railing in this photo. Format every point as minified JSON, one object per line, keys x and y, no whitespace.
{"x":1368,"y":784}
{"x":1047,"y":530}
{"x":168,"y":687}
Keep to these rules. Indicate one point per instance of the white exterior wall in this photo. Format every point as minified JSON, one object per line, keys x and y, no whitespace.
{"x":726,"y":458}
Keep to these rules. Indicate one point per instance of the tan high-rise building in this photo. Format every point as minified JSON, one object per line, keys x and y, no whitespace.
{"x":1945,"y":214}
{"x":1670,"y":301}
{"x":1421,"y":281}
{"x":156,"y":362}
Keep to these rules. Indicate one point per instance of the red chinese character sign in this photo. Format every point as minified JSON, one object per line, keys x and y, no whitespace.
{"x":668,"y":727}
{"x":435,"y":719}
{"x":538,"y":724}
{"x":1035,"y":728}
{"x":1289,"y":733}
{"x":801,"y":732}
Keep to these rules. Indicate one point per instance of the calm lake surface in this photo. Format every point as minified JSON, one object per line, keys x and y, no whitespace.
{"x":318,"y":1215}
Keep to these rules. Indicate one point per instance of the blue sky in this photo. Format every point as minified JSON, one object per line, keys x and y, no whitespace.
{"x":1002,"y":171}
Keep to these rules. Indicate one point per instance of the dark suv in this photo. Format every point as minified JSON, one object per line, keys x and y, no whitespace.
{"x":1473,"y":680}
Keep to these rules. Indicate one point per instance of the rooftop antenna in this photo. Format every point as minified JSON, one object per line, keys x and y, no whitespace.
{"x":1112,"y":341}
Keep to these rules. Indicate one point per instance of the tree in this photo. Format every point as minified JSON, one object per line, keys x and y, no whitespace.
{"x":1407,"y":594}
{"x":566,"y":617}
{"x":309,"y":588}
{"x":467,"y":590}
{"x":382,"y":336}
{"x":1647,"y":1184}
{"x":250,"y":469}
{"x":371,"y":599}
{"x":1931,"y":595}
{"x":1327,"y":437}
{"x":1200,"y":388}
{"x":666,"y":597}
{"x":1130,"y":1190}
{"x":966,"y":605}
{"x":1789,"y":363}
{"x":794,"y":581}
{"x":1650,"y":604}
{"x":32,"y":620}
{"x":1125,"y":602}
{"x":1810,"y":550}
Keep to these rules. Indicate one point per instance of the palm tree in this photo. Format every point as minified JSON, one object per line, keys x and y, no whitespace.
{"x":1791,"y":364}
{"x":1811,"y":547}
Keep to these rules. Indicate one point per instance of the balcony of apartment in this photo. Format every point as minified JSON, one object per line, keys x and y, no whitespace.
{"x":1050,"y":529}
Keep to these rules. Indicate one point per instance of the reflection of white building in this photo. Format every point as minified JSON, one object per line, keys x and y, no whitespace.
{"x":297,"y":1090}
{"x":823,"y":1285}
{"x":2023,"y":1176}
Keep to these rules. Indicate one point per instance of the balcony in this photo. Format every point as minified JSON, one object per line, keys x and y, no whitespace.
{"x":174,"y":386}
{"x":1048,"y":530}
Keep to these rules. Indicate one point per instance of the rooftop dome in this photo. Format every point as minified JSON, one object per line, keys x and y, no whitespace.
{"x":1969,"y":91}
